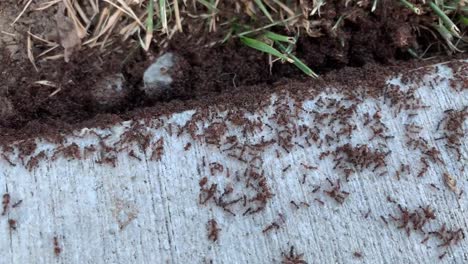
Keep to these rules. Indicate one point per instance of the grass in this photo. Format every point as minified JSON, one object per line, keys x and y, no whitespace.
{"x":262,"y":7}
{"x":149,"y":26}
{"x":269,"y":26}
{"x":264,"y":47}
{"x":411,"y":6}
{"x":449,"y":24}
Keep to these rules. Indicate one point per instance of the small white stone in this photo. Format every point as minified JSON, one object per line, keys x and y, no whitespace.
{"x":110,"y":91}
{"x":157,"y":78}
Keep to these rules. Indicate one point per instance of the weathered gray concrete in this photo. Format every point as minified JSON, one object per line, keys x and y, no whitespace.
{"x":148,"y":212}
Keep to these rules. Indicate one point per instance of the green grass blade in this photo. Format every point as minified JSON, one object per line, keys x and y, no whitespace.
{"x":463,"y":9}
{"x":298,"y":63}
{"x":303,"y":67}
{"x":227,"y":37}
{"x":447,"y":35}
{"x":264,"y":10}
{"x":210,"y":7}
{"x":413,"y":53}
{"x":149,"y":25}
{"x":447,"y":21}
{"x":250,"y":31}
{"x":163,"y":14}
{"x":289,"y":49}
{"x":263,"y":47}
{"x":464,"y":20}
{"x":149,"y":20}
{"x":411,"y":6}
{"x":281,"y":38}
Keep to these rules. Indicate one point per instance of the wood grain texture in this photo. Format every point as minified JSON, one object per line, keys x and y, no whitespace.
{"x":148,"y":211}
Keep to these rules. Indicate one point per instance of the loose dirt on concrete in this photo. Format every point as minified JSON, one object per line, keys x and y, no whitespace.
{"x":61,"y":96}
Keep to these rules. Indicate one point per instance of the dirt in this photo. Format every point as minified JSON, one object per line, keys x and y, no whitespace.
{"x":366,"y":49}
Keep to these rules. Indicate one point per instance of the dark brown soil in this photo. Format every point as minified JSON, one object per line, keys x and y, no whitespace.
{"x":368,"y":49}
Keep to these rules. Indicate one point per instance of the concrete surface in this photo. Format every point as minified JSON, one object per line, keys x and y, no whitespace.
{"x":148,"y":211}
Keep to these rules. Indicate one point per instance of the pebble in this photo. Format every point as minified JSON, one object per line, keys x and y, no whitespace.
{"x":110,"y":91}
{"x":163,"y":73}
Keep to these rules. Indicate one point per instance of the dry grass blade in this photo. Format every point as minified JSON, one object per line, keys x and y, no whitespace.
{"x":102,"y":20}
{"x":67,"y":31}
{"x":22,"y":12}
{"x":126,"y":9}
{"x":44,"y":6}
{"x":80,"y":29}
{"x":55,"y":92}
{"x":53,"y":57}
{"x":30,"y":53}
{"x":47,"y":51}
{"x":129,"y":30}
{"x":47,"y":42}
{"x":213,"y":18}
{"x":94,"y":5}
{"x":177,"y":16}
{"x":82,"y":14}
{"x":8,"y":33}
{"x":316,"y":7}
{"x":105,"y":42}
{"x":46,"y":83}
{"x":285,"y":8}
{"x":109,"y":24}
